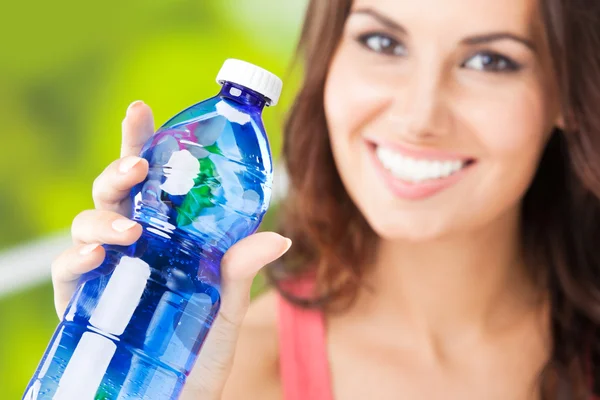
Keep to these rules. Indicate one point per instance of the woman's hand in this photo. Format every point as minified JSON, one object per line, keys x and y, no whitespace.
{"x":109,"y":223}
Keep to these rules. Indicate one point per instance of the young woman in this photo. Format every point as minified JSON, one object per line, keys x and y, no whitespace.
{"x":444,"y":158}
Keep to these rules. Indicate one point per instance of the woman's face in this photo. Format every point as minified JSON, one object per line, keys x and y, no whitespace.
{"x":439,"y":111}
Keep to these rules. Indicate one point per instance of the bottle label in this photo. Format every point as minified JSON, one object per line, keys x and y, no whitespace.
{"x":180,"y":172}
{"x":86,"y":368}
{"x":121,"y":296}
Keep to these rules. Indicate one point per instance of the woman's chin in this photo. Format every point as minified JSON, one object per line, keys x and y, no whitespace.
{"x":390,"y":229}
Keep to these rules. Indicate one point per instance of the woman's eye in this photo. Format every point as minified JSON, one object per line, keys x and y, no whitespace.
{"x":383,"y":44}
{"x":492,"y":62}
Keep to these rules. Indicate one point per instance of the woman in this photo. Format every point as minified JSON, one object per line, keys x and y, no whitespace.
{"x":444,"y":209}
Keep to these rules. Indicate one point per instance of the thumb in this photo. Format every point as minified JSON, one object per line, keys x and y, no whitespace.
{"x":239,"y":266}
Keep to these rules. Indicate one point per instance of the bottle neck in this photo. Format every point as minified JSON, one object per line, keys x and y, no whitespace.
{"x":243,"y":95}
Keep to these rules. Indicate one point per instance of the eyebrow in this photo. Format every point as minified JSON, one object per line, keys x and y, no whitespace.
{"x":381,"y":18}
{"x":470,"y":40}
{"x":491,"y":37}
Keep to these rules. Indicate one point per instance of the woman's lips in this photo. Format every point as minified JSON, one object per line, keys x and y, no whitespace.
{"x":425,"y":188}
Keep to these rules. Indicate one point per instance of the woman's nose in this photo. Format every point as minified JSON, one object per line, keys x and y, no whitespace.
{"x":421,"y":106}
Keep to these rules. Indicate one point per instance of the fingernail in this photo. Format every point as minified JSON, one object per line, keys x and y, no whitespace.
{"x":133,"y":105}
{"x":122,"y":225}
{"x":128,"y":163}
{"x":288,"y":242}
{"x":88,"y":248}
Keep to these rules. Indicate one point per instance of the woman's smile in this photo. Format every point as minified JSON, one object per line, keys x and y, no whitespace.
{"x":417,"y":173}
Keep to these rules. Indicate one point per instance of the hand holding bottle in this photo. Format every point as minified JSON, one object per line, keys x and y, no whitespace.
{"x":140,"y":295}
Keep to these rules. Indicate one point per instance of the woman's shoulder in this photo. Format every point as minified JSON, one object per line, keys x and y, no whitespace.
{"x":255,"y":372}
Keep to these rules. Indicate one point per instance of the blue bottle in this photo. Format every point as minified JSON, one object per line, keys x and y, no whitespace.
{"x":136,"y":324}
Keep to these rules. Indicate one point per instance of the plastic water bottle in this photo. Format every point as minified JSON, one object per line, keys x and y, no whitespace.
{"x":136,"y":324}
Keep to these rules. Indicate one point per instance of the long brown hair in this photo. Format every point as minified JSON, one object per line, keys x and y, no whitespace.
{"x":561,"y":209}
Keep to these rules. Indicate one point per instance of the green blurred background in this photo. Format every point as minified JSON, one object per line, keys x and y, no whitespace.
{"x":68,"y":70}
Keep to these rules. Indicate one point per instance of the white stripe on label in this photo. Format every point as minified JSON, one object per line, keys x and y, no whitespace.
{"x":86,"y":368}
{"x":121,"y":296}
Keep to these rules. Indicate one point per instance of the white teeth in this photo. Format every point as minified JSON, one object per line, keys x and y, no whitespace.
{"x":412,"y":170}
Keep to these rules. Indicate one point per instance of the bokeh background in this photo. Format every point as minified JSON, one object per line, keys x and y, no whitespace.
{"x":68,"y":70}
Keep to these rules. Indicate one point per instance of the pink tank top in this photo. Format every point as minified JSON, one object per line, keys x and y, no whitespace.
{"x":303,"y":361}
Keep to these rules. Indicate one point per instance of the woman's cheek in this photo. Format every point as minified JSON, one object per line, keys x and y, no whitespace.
{"x":513,"y":126}
{"x":351,"y":105}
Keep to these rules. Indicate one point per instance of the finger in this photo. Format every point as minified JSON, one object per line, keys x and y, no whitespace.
{"x":99,"y":226}
{"x":111,"y":188}
{"x":137,"y":128}
{"x":68,"y":267}
{"x":239,"y":266}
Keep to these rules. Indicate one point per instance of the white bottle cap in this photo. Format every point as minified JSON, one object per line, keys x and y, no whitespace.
{"x":255,"y":78}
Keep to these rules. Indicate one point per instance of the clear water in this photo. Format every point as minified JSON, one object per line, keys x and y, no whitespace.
{"x":136,"y":324}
